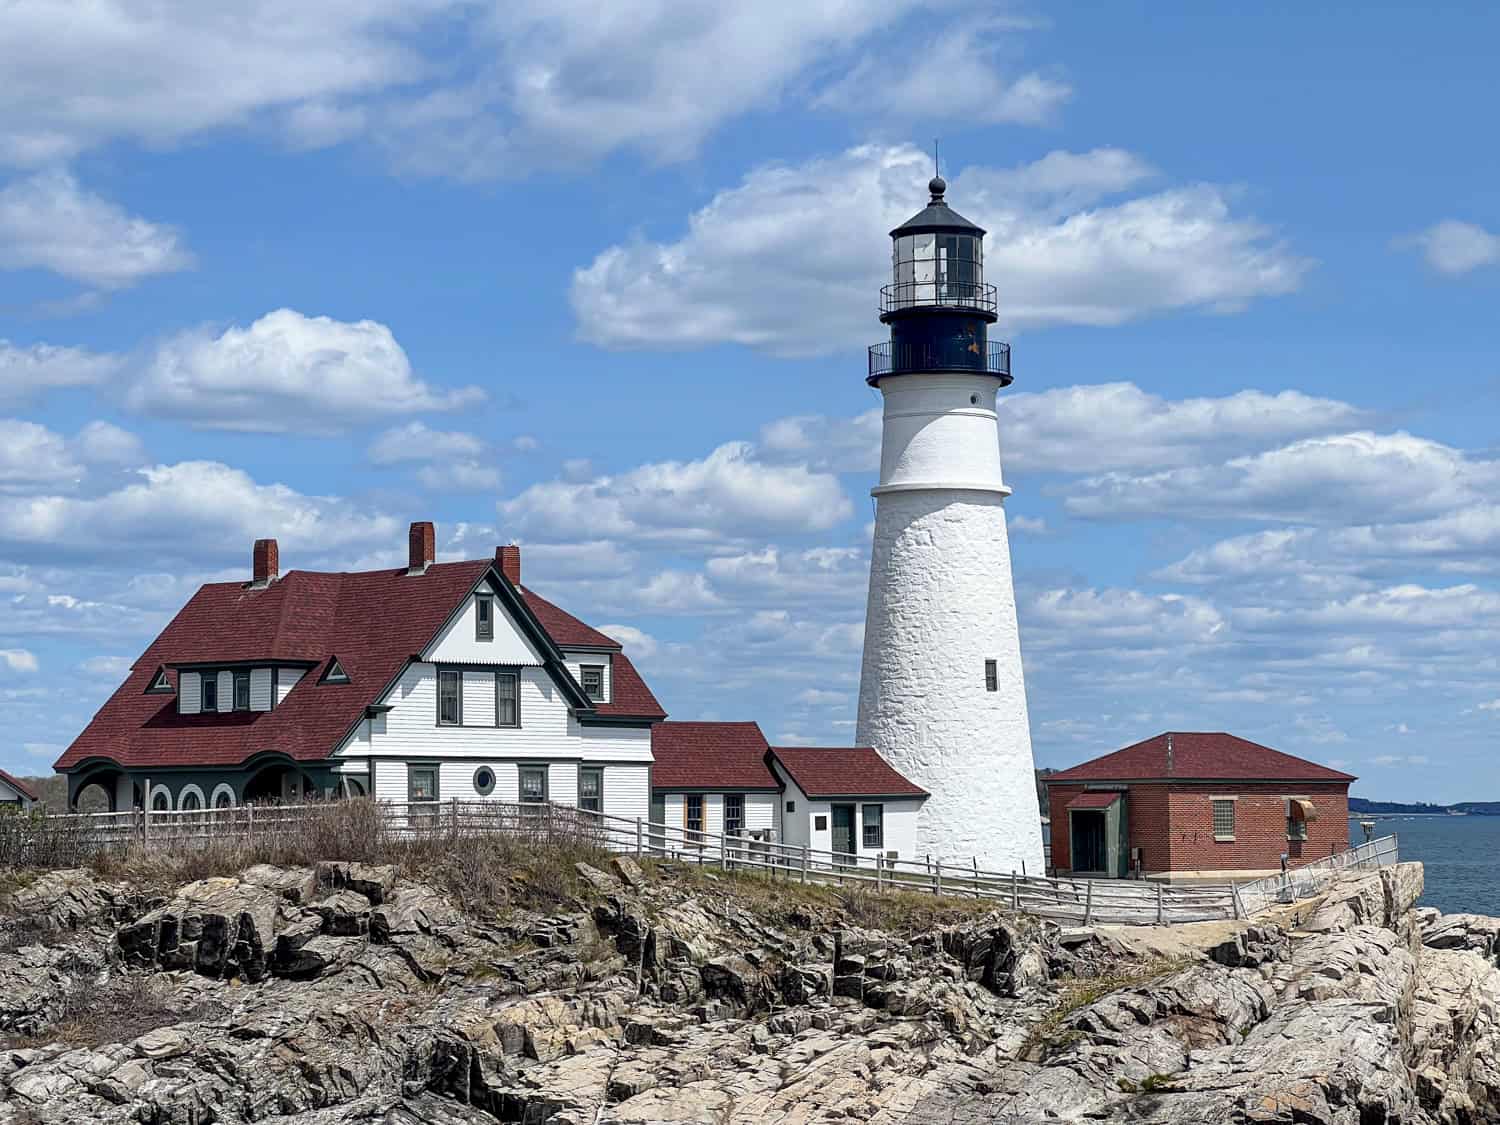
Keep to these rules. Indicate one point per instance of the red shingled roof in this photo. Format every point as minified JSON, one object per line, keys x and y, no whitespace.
{"x":843,"y":771}
{"x":1198,"y":756}
{"x":19,"y":786}
{"x":710,"y":756}
{"x":373,"y":621}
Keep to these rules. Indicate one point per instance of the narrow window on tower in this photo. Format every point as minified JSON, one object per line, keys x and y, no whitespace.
{"x":991,"y":676}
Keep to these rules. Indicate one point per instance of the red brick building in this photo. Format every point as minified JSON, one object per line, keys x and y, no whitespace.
{"x":1187,"y":805}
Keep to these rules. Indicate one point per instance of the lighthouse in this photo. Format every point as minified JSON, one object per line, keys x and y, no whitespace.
{"x":941,"y":693}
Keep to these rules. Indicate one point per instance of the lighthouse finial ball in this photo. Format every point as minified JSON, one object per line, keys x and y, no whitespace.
{"x":937,"y":185}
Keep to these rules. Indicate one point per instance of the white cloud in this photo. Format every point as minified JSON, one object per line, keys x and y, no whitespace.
{"x":728,"y":493}
{"x":1081,"y":619}
{"x":1087,"y":428}
{"x":193,"y":509}
{"x":103,"y":443}
{"x":1400,"y":760}
{"x":32,"y":456}
{"x":1454,"y":248}
{"x":26,"y":373}
{"x":955,"y":73}
{"x":790,"y":260}
{"x":159,"y":73}
{"x":416,"y":441}
{"x":18,"y":660}
{"x":638,"y":644}
{"x":460,"y":476}
{"x":1334,"y":479}
{"x":48,"y":221}
{"x":288,"y":372}
{"x":107,"y":667}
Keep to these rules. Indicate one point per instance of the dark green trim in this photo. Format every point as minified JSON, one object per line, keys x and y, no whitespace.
{"x":597,"y":720}
{"x":159,"y":684}
{"x":231,"y":665}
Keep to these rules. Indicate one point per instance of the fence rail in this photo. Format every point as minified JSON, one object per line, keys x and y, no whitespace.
{"x":1065,"y":900}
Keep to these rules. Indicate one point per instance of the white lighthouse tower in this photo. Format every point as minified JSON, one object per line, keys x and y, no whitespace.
{"x":941,"y":693}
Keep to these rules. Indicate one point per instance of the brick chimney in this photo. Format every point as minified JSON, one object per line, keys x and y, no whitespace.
{"x":509,"y":561}
{"x":265,"y":564}
{"x":422,"y":547}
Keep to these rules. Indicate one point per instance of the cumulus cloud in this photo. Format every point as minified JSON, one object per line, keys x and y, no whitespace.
{"x":198,"y":510}
{"x":288,"y":372}
{"x":1339,"y":478}
{"x":27,"y":373}
{"x":788,"y":261}
{"x":451,"y":460}
{"x":48,"y":221}
{"x":639,"y":644}
{"x":1455,"y":248}
{"x":729,"y":493}
{"x":34,"y":458}
{"x":18,"y":660}
{"x":957,"y":72}
{"x":1087,"y":428}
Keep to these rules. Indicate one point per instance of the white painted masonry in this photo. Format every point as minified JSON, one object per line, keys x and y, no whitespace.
{"x":941,"y":603}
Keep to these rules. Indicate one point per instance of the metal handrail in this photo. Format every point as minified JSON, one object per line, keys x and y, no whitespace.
{"x":938,"y":293}
{"x":892,"y":358}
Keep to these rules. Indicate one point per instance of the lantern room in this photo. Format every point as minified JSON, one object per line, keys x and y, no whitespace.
{"x":938,"y":305}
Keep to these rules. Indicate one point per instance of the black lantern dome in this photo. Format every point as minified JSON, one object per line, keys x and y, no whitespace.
{"x":938,"y":305}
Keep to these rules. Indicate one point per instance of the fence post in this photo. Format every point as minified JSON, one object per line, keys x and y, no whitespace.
{"x":975,"y":858}
{"x":1088,"y":904}
{"x":938,"y":884}
{"x":638,"y":837}
{"x":453,"y":819}
{"x":1159,"y":896}
{"x":146,"y":814}
{"x":1015,"y":892}
{"x":804,"y":863}
{"x":1239,"y":905}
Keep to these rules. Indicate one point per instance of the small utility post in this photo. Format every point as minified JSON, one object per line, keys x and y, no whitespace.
{"x":937,"y":885}
{"x":804,"y":863}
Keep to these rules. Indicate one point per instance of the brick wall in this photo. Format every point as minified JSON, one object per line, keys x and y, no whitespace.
{"x":1173,"y":824}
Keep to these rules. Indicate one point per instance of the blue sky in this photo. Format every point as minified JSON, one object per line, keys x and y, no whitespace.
{"x":600,"y":283}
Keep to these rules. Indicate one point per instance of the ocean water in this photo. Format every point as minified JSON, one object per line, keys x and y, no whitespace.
{"x":1461,"y":855}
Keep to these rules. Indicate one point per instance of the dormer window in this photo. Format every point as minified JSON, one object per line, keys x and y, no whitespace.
{"x":591,"y":679}
{"x":335,"y":673}
{"x":484,"y":618}
{"x":160,"y":684}
{"x":210,"y":697}
{"x":242,"y":691}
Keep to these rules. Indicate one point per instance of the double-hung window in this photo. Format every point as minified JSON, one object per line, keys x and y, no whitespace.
{"x":533,"y":790}
{"x":450,"y":697}
{"x":874,"y":827}
{"x":422,"y":792}
{"x":507,"y":699}
{"x":591,"y":789}
{"x":242,"y":691}
{"x":484,"y":618}
{"x":1223,"y":818}
{"x":692,"y":817}
{"x":734,"y":814}
{"x":591,"y":678}
{"x":210,"y":700}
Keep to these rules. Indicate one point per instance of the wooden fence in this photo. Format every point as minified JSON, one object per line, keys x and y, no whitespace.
{"x":1067,"y":901}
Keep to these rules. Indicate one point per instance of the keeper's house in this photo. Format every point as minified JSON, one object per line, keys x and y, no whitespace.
{"x":423,"y":682}
{"x":15,"y":793}
{"x":1193,"y":805}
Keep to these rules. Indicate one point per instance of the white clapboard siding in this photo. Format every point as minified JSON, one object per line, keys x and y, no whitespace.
{"x":390,"y":781}
{"x":456,"y":779}
{"x":226,"y":691}
{"x":458,"y":645}
{"x":261,"y":691}
{"x":189,"y":693}
{"x":547,"y":730}
{"x":760,"y":811}
{"x":627,"y":791}
{"x":562,"y":783}
{"x":479,"y":698}
{"x":576,"y":660}
{"x":286,"y":680}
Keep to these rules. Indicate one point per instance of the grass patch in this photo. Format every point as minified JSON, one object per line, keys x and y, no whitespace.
{"x":1050,"y":1033}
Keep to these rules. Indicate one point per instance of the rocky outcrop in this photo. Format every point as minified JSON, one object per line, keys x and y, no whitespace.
{"x":344,"y":993}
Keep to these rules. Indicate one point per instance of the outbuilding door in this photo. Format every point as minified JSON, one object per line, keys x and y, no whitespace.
{"x":1090,"y":843}
{"x":843,"y":829}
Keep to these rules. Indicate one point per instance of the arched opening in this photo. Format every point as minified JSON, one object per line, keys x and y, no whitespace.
{"x":161,"y":800}
{"x":98,"y":793}
{"x":190,"y":799}
{"x":223,"y":796}
{"x":279,"y":784}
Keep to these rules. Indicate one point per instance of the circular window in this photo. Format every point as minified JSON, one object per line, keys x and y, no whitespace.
{"x":973,"y":400}
{"x":484,"y":781}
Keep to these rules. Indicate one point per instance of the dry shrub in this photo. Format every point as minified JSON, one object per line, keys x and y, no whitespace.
{"x":117,"y":1010}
